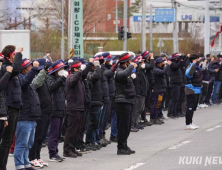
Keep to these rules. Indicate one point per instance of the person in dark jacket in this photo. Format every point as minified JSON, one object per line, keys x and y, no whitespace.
{"x":192,"y":90}
{"x":4,"y":78}
{"x":149,"y":66}
{"x":13,"y":99}
{"x":124,"y":101}
{"x":175,"y":80}
{"x":56,"y":82}
{"x":160,"y":72}
{"x":44,"y":94}
{"x":75,"y":96}
{"x":25,"y":130}
{"x":94,"y":76}
{"x":111,"y":111}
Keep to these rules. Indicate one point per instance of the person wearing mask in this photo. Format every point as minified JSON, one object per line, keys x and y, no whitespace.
{"x":75,"y":109}
{"x":175,"y":80}
{"x":56,"y":82}
{"x":48,"y":57}
{"x":192,"y":90}
{"x":25,"y":130}
{"x":94,"y":77}
{"x":44,"y":94}
{"x":160,"y":72}
{"x":4,"y":78}
{"x":124,"y":101}
{"x":13,"y":99}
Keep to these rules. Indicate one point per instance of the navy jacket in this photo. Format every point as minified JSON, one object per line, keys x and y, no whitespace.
{"x":175,"y":74}
{"x":13,"y":88}
{"x":31,"y":105}
{"x":110,"y":80}
{"x":104,"y":84}
{"x":57,"y":86}
{"x":149,"y":73}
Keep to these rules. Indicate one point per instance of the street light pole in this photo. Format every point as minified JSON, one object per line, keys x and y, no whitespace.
{"x":143,"y":31}
{"x":207,"y":28}
{"x":151,"y":27}
{"x":125,"y":25}
{"x":116,"y":16}
{"x":175,"y":33}
{"x":62,"y":41}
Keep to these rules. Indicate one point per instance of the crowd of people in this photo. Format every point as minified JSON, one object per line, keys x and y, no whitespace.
{"x":76,"y":98}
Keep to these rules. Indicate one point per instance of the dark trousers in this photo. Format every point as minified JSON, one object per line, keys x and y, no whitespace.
{"x":192,"y":102}
{"x":203,"y":93}
{"x":40,"y":134}
{"x":148,"y":99}
{"x":124,"y":118}
{"x":181,"y":101}
{"x":156,"y":105}
{"x":54,"y":135}
{"x":106,"y":119}
{"x":167,"y":98}
{"x":74,"y":122}
{"x":100,"y":130}
{"x":174,"y":101}
{"x":2,"y":127}
{"x":209,"y":92}
{"x":114,"y":130}
{"x":93,"y":124}
{"x":138,"y":109}
{"x":8,"y":136}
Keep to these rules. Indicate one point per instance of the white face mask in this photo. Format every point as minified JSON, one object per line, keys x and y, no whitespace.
{"x":111,"y":62}
{"x":143,"y":65}
{"x":61,"y":72}
{"x":165,"y":62}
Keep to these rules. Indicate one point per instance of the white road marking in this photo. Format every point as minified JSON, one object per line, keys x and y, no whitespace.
{"x":134,"y":166}
{"x":179,"y":145}
{"x":213,"y":128}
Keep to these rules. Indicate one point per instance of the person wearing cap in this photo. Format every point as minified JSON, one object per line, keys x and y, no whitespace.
{"x":56,"y":82}
{"x":42,"y":89}
{"x":124,"y":101}
{"x":75,"y":96}
{"x":110,"y":110}
{"x":48,"y":57}
{"x":160,"y":72}
{"x":4,"y":79}
{"x":94,"y":78}
{"x":25,"y":130}
{"x":175,"y":80}
{"x":13,"y":99}
{"x":149,"y":66}
{"x":192,"y":90}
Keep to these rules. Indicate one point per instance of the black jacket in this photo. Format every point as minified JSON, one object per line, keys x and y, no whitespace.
{"x":75,"y":92}
{"x":110,"y":80}
{"x":141,"y":83}
{"x":45,"y":98}
{"x":4,"y":78}
{"x":96,"y":92}
{"x":160,"y":78}
{"x":57,"y":86}
{"x":31,"y":104}
{"x":104,"y":84}
{"x":125,"y":90}
{"x":175,"y":74}
{"x":13,"y":88}
{"x":149,"y":73}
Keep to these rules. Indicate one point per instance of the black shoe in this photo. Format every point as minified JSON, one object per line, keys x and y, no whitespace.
{"x":90,"y":147}
{"x":70,"y":155}
{"x":171,"y":116}
{"x":113,"y":139}
{"x":61,"y":157}
{"x":165,"y":109}
{"x":77,"y":153}
{"x":30,"y":168}
{"x":55,"y":158}
{"x":138,"y":127}
{"x":131,"y":151}
{"x":123,"y":152}
{"x":133,"y":129}
{"x":181,"y":115}
{"x":107,"y":141}
{"x":161,"y":121}
{"x":148,"y":123}
{"x":163,"y":118}
{"x":156,"y":121}
{"x":98,"y":147}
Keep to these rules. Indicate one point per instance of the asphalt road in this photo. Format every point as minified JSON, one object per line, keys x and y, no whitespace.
{"x":159,"y":147}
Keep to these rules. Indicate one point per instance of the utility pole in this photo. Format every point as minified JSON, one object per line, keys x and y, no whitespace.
{"x":175,"y":32}
{"x":151,"y":27}
{"x":207,"y":28}
{"x":70,"y":25}
{"x":125,"y":25}
{"x":116,"y":16}
{"x":143,"y":31}
{"x":220,"y":37}
{"x":62,"y":41}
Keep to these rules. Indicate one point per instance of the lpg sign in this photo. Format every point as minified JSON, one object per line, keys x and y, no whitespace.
{"x":186,"y":17}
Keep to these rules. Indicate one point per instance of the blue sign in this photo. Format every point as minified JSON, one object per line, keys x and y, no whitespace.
{"x":165,"y":15}
{"x":186,"y":17}
{"x":213,"y":19}
{"x":138,"y":18}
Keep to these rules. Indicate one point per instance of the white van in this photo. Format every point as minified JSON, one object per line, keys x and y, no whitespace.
{"x":117,"y":53}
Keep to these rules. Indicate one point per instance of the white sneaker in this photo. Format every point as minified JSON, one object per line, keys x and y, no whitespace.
{"x":36,"y":163}
{"x":190,"y":127}
{"x":206,"y":105}
{"x":202,"y":106}
{"x":195,"y":126}
{"x":42,"y":162}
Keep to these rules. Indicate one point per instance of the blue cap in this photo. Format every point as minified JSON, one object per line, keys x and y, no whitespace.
{"x":56,"y":66}
{"x":25,"y":63}
{"x":159,"y":60}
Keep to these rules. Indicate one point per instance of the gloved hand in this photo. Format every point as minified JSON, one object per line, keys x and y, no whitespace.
{"x":82,"y":67}
{"x":47,"y":65}
{"x":96,"y":63}
{"x":133,"y":76}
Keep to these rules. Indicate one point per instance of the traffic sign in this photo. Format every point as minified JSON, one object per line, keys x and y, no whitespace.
{"x":164,"y":15}
{"x":138,"y":18}
{"x":160,"y":43}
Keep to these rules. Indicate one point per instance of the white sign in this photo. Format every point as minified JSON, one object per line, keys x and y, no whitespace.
{"x":160,"y":43}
